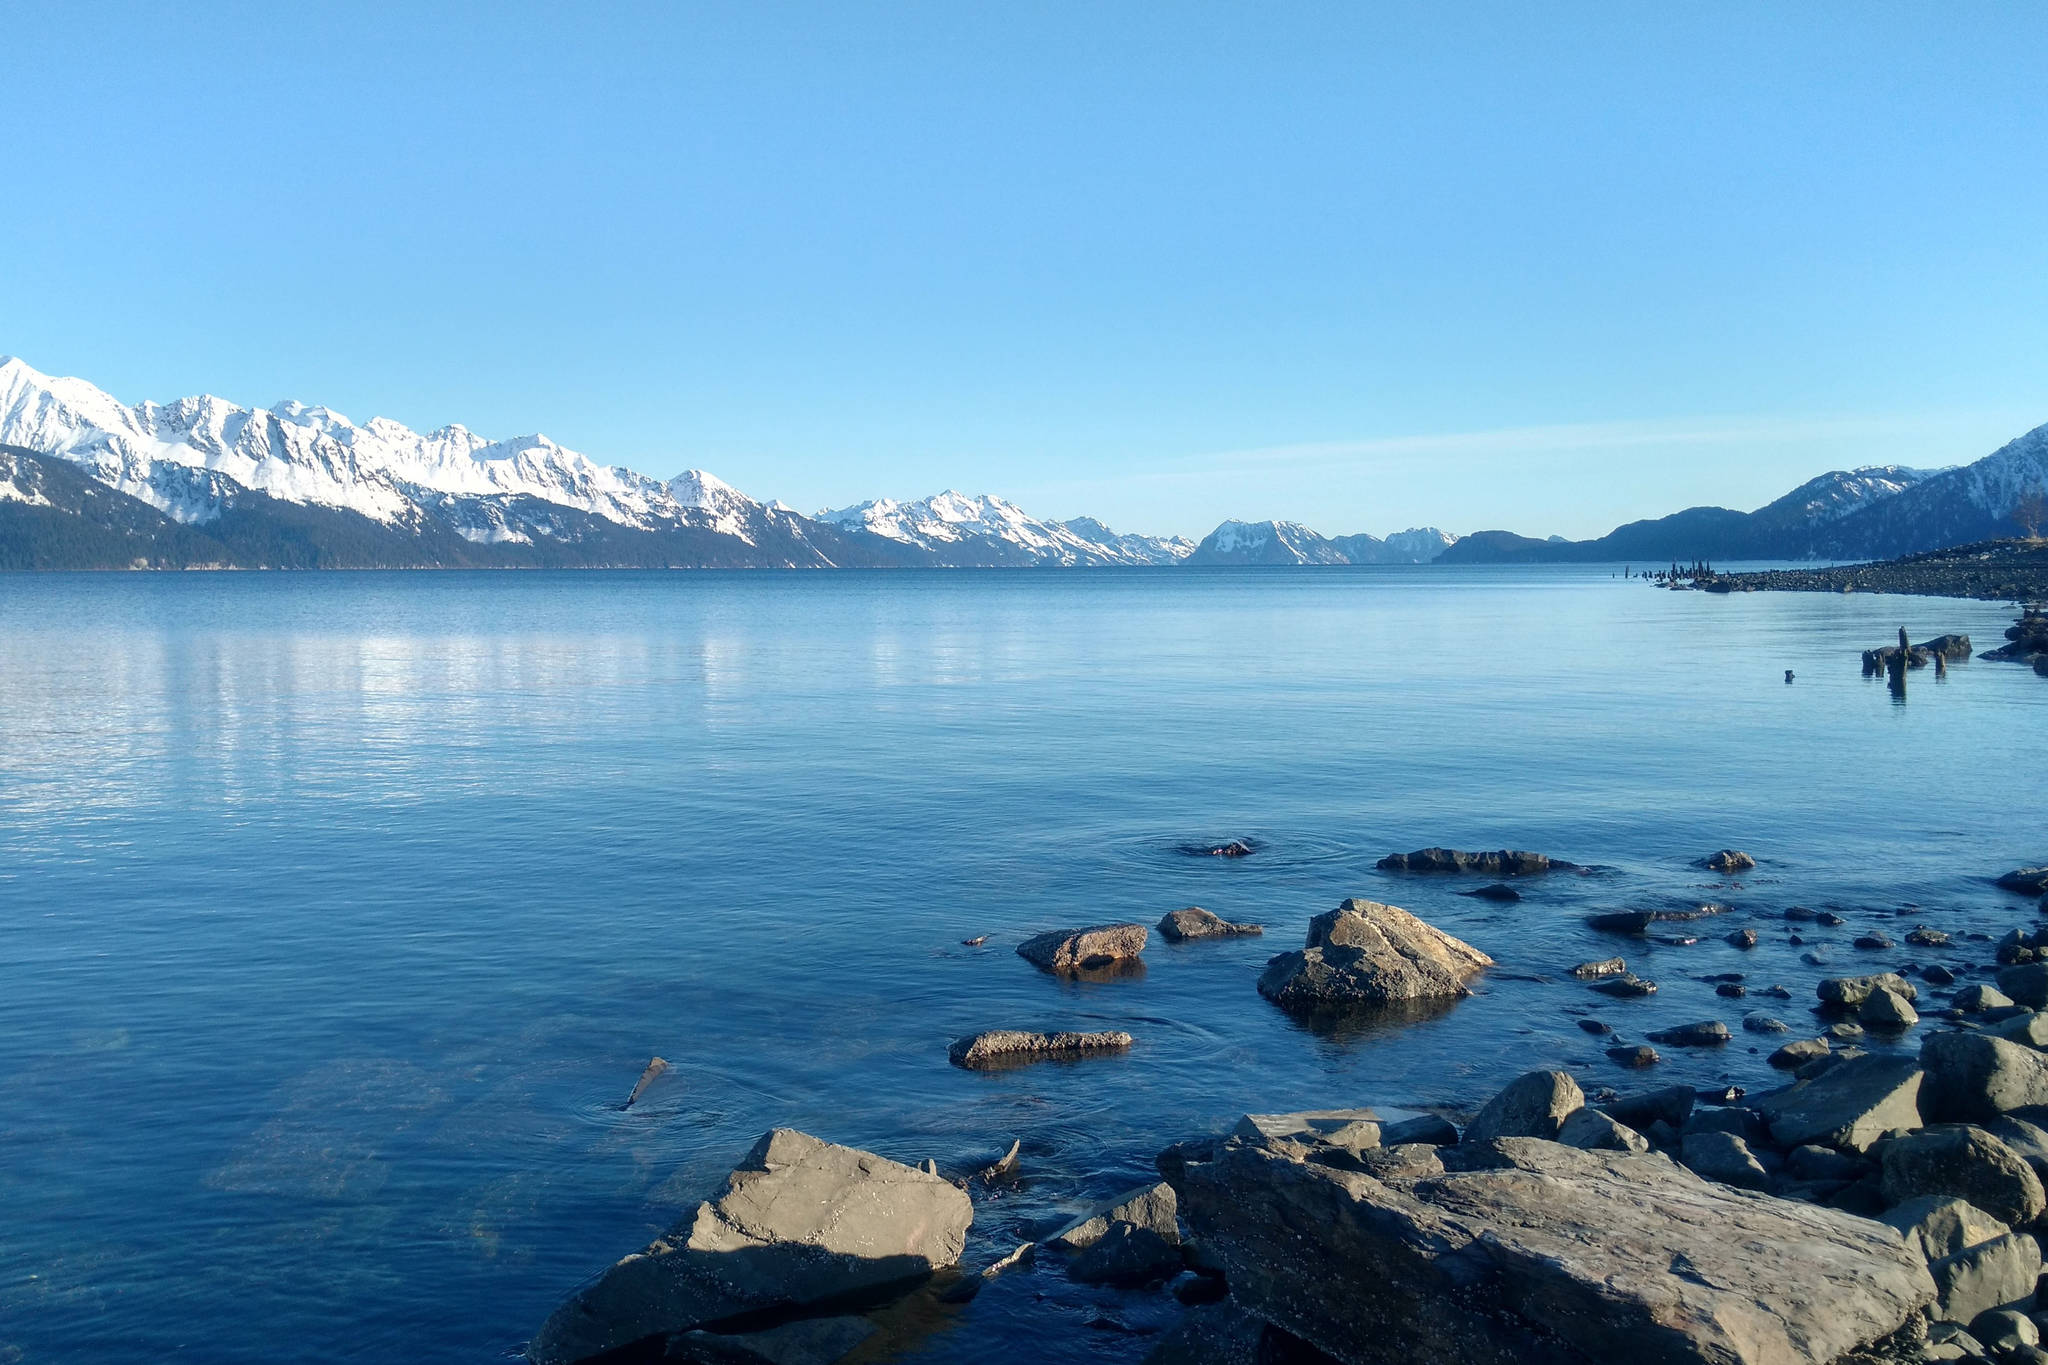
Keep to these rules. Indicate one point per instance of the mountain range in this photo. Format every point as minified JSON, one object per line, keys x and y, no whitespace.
{"x":88,"y":482}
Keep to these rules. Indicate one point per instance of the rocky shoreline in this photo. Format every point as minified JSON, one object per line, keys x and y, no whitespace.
{"x":1886,"y":1203}
{"x":1992,"y":571}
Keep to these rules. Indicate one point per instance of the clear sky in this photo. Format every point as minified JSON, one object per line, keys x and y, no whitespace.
{"x":1544,"y":267}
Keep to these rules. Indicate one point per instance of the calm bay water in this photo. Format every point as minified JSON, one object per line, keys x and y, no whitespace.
{"x":339,"y":913}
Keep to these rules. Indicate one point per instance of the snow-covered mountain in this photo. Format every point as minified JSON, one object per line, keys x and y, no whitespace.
{"x":963,"y":528}
{"x":1950,"y":507}
{"x":189,"y":458}
{"x":199,"y":462}
{"x":1839,"y":494}
{"x":1289,"y":542}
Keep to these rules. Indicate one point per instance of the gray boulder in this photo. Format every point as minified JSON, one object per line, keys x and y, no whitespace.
{"x":1849,"y":992}
{"x":1962,"y":1162}
{"x":1129,"y":1240}
{"x":1534,"y":1105}
{"x":1153,"y":1207}
{"x":1974,"y":1077}
{"x":1886,"y":1008}
{"x":2028,"y":1030}
{"x":2028,"y":1140}
{"x":2026,"y":984}
{"x":1848,"y":1107}
{"x":2004,"y":1331}
{"x":1794,"y":1055}
{"x":800,"y":1221}
{"x":1354,"y":1130}
{"x":1672,"y":1105}
{"x":1127,"y":1254}
{"x":1075,"y":950}
{"x":1978,"y":998}
{"x":1181,"y":926}
{"x":1011,"y":1047}
{"x":1723,"y":1157}
{"x":1539,"y":1252}
{"x":1730,"y":860}
{"x":1365,"y":954}
{"x":1592,"y":1131}
{"x":1996,"y":1274}
{"x":1710,"y":1033}
{"x":1938,"y":1226}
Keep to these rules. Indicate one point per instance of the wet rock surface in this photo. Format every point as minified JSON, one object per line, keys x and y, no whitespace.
{"x":1365,"y":954}
{"x":1181,"y":926}
{"x":1534,"y":1251}
{"x":800,"y":1222}
{"x":1013,"y":1047}
{"x":1076,"y":950}
{"x":1499,"y":863}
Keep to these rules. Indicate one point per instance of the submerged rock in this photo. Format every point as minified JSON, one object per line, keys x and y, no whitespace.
{"x":806,"y":1341}
{"x":1501,"y":863}
{"x":1731,"y":860}
{"x":1011,"y":1047}
{"x":1072,"y":950}
{"x":1179,"y":926}
{"x":1606,"y":966}
{"x":1533,"y":1251}
{"x":1627,"y":984}
{"x":1495,"y":891}
{"x":800,"y":1222}
{"x":1365,"y":954}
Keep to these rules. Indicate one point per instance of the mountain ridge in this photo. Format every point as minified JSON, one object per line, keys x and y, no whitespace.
{"x":203,"y":481}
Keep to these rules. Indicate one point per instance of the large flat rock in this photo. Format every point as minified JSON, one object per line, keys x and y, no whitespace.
{"x":800,"y":1222}
{"x":1533,"y":1253}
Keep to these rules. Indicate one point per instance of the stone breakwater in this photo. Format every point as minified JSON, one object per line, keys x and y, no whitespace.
{"x":1994,"y":571}
{"x":1879,"y":1205}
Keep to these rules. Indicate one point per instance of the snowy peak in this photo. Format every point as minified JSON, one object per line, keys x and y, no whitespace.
{"x":954,"y":524}
{"x":307,"y":454}
{"x":1835,"y":495}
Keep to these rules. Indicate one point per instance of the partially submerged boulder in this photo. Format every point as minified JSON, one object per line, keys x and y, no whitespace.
{"x":1014,"y":1047}
{"x":1365,"y":954}
{"x":1533,"y":1251}
{"x":1074,"y":950}
{"x":1505,"y":862}
{"x":1730,"y":860}
{"x":1849,"y":992}
{"x":1707,"y":1033}
{"x":800,"y":1222}
{"x":1179,"y":926}
{"x":1130,"y":1239}
{"x":2028,"y":881}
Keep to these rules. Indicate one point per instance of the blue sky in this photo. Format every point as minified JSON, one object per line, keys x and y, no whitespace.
{"x":1547,"y":268}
